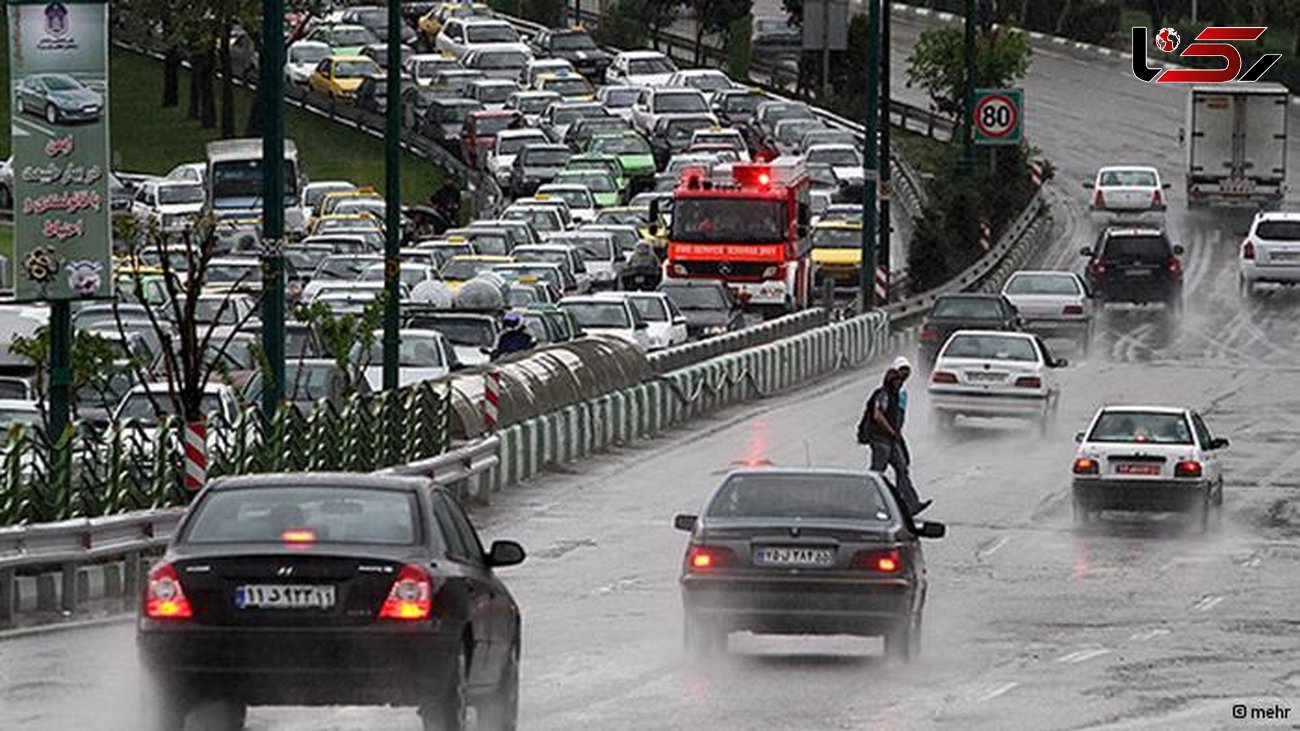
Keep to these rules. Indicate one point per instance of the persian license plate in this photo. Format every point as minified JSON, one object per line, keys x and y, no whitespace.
{"x":1137,"y":468}
{"x":1136,"y":273}
{"x":1284,"y":256}
{"x":793,"y":556}
{"x":284,"y":596}
{"x":984,"y":377}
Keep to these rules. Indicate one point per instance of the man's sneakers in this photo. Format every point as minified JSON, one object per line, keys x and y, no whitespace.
{"x":921,"y":506}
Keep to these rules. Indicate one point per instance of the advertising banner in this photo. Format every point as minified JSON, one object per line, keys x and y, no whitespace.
{"x":58,"y":66}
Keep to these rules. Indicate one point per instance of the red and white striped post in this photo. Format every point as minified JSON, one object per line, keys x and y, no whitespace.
{"x":1036,"y":173}
{"x":882,"y":285}
{"x":196,"y":455}
{"x":491,"y":399}
{"x":986,"y":236}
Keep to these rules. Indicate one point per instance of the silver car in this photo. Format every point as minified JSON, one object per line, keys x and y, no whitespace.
{"x":1052,"y":304}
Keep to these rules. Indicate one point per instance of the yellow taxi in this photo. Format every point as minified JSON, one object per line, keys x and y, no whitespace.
{"x":571,"y":87}
{"x":430,"y":24}
{"x":345,"y":222}
{"x":330,"y":201}
{"x":837,"y":251}
{"x":340,"y":76}
{"x":461,"y":269}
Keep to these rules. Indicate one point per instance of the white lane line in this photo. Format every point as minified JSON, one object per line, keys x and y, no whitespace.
{"x":1083,"y":655}
{"x":1208,"y":603}
{"x":1000,"y":690}
{"x":1252,"y":562}
{"x":24,"y":122}
{"x":1149,"y":635}
{"x":999,"y":543}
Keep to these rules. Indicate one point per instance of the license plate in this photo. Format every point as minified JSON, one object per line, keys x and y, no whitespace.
{"x":1137,"y":468}
{"x":284,"y":596}
{"x":1284,"y":256}
{"x":794,"y":556}
{"x":1135,"y":273}
{"x":984,"y":377}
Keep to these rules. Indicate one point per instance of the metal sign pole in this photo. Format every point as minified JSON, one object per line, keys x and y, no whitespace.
{"x":883,"y":263}
{"x":273,"y":203}
{"x":393,"y":197}
{"x":866,"y":270}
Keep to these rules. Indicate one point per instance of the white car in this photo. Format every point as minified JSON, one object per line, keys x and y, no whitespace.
{"x":507,"y":144}
{"x":1052,"y":304}
{"x":502,"y":61}
{"x":1271,"y":251}
{"x":1127,"y":190}
{"x":423,"y":67}
{"x":491,"y":93}
{"x":581,"y":202}
{"x":600,"y":255}
{"x":459,"y":36}
{"x":708,"y":81}
{"x":611,"y":317}
{"x":993,"y":374}
{"x":410,"y":274}
{"x":1147,"y":459}
{"x":654,"y":104}
{"x":301,"y":59}
{"x":618,"y":100}
{"x":562,"y":255}
{"x":422,"y":355}
{"x":532,"y":104}
{"x":170,"y":205}
{"x":313,"y":192}
{"x":845,"y":162}
{"x":666,"y":325}
{"x":545,"y":221}
{"x":725,"y":136}
{"x":189,"y":172}
{"x":640,"y":68}
{"x":556,"y":204}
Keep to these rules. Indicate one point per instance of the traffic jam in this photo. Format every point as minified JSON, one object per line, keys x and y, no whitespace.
{"x":656,"y":205}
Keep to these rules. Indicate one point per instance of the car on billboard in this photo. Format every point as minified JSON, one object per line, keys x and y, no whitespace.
{"x":59,"y":99}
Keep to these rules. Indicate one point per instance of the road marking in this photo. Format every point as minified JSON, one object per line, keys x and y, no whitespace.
{"x":1149,"y":635}
{"x":1252,"y":562}
{"x":1083,"y":655}
{"x":985,"y":552}
{"x":1000,"y":690}
{"x":21,"y":121}
{"x":1208,"y":603}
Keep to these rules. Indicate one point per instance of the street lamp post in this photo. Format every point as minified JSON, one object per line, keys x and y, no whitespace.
{"x":272,"y":101}
{"x":867,"y":268}
{"x":392,"y":196}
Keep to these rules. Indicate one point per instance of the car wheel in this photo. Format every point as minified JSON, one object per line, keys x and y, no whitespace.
{"x":51,"y":114}
{"x":702,"y":637}
{"x":450,"y":711}
{"x":163,"y":706}
{"x":501,"y":710}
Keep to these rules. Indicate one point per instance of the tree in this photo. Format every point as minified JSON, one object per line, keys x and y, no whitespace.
{"x":94,"y":364}
{"x":345,"y":336}
{"x":714,"y":17}
{"x":938,"y":65}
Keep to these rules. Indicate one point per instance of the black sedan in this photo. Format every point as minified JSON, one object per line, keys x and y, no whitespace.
{"x":576,"y":47}
{"x":325,"y":589}
{"x":804,"y":552}
{"x":953,"y":312}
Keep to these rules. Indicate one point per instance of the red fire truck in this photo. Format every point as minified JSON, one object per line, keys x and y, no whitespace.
{"x":746,"y":224}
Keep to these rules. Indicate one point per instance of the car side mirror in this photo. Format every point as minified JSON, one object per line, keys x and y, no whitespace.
{"x":679,"y":320}
{"x":1178,"y":250}
{"x":1166,"y":186}
{"x":642,"y":326}
{"x":1060,"y":363}
{"x":506,"y":553}
{"x":1078,"y":437}
{"x":1087,"y":184}
{"x":931,"y":529}
{"x":1085,"y":251}
{"x":1217,"y":443}
{"x":685,"y":522}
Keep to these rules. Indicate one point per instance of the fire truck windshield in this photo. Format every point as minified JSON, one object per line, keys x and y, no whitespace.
{"x":728,"y":221}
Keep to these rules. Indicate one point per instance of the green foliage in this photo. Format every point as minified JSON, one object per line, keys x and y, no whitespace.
{"x":346,"y":335}
{"x":740,"y":47}
{"x":94,"y":363}
{"x":937,"y":64}
{"x":634,"y":23}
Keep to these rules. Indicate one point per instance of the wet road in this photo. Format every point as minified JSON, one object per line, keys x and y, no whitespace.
{"x":1030,"y":623}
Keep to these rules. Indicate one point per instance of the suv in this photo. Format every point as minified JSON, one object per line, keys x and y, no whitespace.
{"x":1136,"y":265}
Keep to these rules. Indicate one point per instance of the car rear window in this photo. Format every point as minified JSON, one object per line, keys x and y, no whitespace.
{"x":1147,"y":249}
{"x":1136,"y":178}
{"x":990,"y":347}
{"x":1278,"y":230}
{"x":333,"y":514}
{"x":1138,"y":427}
{"x":846,"y":497}
{"x":968,"y":308}
{"x":1043,"y":284}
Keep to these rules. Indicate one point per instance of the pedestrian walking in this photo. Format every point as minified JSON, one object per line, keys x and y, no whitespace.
{"x":881,"y":428}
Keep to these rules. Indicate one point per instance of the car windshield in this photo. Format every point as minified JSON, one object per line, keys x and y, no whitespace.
{"x":653,"y":65}
{"x":594,"y":180}
{"x":534,"y":104}
{"x":625,"y":217}
{"x":576,"y":198}
{"x":173,"y":194}
{"x":328,"y":514}
{"x":59,"y":82}
{"x":462,"y":269}
{"x":836,"y":156}
{"x":676,"y":103}
{"x":512,"y":145}
{"x":514,"y":273}
{"x":1043,"y":284}
{"x":696,"y":298}
{"x":312,"y":196}
{"x":490,"y":243}
{"x":1278,"y":230}
{"x":742,"y":103}
{"x":488,"y":126}
{"x":217,"y":310}
{"x":1139,"y":427}
{"x":500,"y":60}
{"x":354,"y":69}
{"x":412,"y":352}
{"x":312,"y":382}
{"x":455,"y":113}
{"x":679,"y":131}
{"x":1144,"y":249}
{"x":596,"y":315}
{"x":568,"y":87}
{"x":593,"y":248}
{"x":344,"y":267}
{"x":792,"y":131}
{"x":493,"y":93}
{"x":967,"y":308}
{"x":308,"y":53}
{"x":493,"y":33}
{"x":410,"y":275}
{"x":351,"y":37}
{"x":572,"y":42}
{"x":837,"y":238}
{"x":544,"y":158}
{"x":219,"y":273}
{"x":547,"y":256}
{"x":650,"y":308}
{"x":1121,"y":178}
{"x":990,"y":347}
{"x":140,"y":407}
{"x":843,"y":497}
{"x":728,"y":220}
{"x":544,"y":220}
{"x":426,"y":69}
{"x":9,"y":417}
{"x":625,"y":145}
{"x":620,"y":98}
{"x":462,"y":330}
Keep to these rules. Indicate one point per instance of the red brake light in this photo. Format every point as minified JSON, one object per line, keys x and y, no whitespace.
{"x":164,"y":597}
{"x":706,"y":558}
{"x":298,"y":535}
{"x":943,"y":377}
{"x":1187,"y":468}
{"x":929,"y":334}
{"x":883,"y":560}
{"x":1248,"y":250}
{"x":764,"y":179}
{"x":1072,"y":310}
{"x":1174,"y":268}
{"x":1029,"y":382}
{"x":1098,"y":200}
{"x":1086,"y":466}
{"x":411,"y":597}
{"x":1099,"y":269}
{"x":1156,"y":200}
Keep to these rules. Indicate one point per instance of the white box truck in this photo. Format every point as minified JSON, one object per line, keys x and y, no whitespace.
{"x":1236,"y":144}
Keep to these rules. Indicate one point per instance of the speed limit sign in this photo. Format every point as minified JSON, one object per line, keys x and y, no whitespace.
{"x":999,"y":116}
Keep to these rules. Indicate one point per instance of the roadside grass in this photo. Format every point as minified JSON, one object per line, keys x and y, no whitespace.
{"x":928,"y":156}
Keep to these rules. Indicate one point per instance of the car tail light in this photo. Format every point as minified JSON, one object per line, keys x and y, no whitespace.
{"x":1086,"y":466}
{"x":883,"y":560}
{"x":1248,"y":250}
{"x":1098,"y":200}
{"x":1157,"y":201}
{"x":707,"y":558}
{"x":1072,"y":310}
{"x":1098,"y":269}
{"x":929,"y":334}
{"x":1187,"y":468}
{"x":411,"y":597}
{"x":1029,"y":382}
{"x":164,"y":597}
{"x":1174,"y":269}
{"x":943,"y":377}
{"x":298,"y":536}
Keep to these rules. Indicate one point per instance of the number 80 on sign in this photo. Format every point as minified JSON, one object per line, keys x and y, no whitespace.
{"x":998,"y":116}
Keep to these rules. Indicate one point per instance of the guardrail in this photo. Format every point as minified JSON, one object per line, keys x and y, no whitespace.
{"x":671,"y":359}
{"x":120,"y":544}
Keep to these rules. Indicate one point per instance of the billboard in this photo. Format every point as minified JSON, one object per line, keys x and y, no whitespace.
{"x":58,"y":66}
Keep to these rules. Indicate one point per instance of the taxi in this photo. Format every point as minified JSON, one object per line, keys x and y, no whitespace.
{"x":341,"y":76}
{"x":837,"y":252}
{"x":351,"y":221}
{"x":460,"y":269}
{"x":330,"y":201}
{"x":570,"y":86}
{"x":430,"y":24}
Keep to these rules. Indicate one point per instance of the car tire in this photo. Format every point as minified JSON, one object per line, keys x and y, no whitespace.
{"x":702,"y":638}
{"x":903,"y":642}
{"x":51,"y":114}
{"x":450,"y":710}
{"x":501,"y":709}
